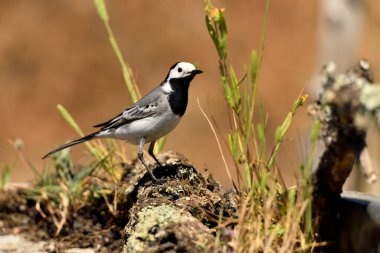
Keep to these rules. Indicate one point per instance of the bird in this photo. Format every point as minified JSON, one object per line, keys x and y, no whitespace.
{"x":152,"y":117}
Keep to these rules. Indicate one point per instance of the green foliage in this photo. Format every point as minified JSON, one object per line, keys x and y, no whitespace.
{"x":283,"y":128}
{"x":61,"y":193}
{"x":102,"y":10}
{"x":127,"y":72}
{"x":240,"y":95}
{"x":69,"y":119}
{"x":5,"y":176}
{"x":271,"y":216}
{"x":306,"y":182}
{"x":95,"y":150}
{"x":217,"y":28}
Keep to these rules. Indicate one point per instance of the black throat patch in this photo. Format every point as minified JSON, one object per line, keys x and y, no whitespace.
{"x":178,"y":97}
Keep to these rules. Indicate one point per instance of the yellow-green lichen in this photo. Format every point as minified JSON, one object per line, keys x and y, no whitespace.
{"x":149,"y":217}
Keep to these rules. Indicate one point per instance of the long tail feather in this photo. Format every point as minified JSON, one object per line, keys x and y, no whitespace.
{"x":75,"y":142}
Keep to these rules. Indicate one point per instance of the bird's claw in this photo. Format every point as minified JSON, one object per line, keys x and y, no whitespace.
{"x":155,"y":179}
{"x":160,"y":180}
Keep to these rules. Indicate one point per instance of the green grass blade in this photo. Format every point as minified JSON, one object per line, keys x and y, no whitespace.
{"x":102,"y":10}
{"x":127,"y":72}
{"x":69,"y":119}
{"x":160,"y":145}
{"x":283,"y":128}
{"x":253,"y":69}
{"x":5,"y":177}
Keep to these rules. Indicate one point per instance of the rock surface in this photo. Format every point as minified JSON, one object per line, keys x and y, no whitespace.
{"x":177,"y":215}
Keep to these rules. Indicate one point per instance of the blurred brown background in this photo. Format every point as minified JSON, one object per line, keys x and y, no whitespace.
{"x":57,"y":52}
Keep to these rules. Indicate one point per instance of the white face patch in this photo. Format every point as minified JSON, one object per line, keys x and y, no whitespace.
{"x":182,"y":69}
{"x":166,"y":87}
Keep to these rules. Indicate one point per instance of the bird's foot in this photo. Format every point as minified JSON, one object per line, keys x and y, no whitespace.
{"x":160,"y":180}
{"x":157,"y":180}
{"x":159,"y":164}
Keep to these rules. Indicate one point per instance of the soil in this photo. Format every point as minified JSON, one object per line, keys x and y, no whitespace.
{"x":93,"y":226}
{"x":185,"y":192}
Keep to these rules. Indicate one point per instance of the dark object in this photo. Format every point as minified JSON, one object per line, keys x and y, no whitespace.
{"x":359,"y":217}
{"x":342,"y":110}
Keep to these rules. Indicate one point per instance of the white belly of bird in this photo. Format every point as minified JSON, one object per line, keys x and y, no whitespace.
{"x":152,"y":128}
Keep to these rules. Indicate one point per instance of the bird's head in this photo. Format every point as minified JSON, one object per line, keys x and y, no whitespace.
{"x":183,"y":70}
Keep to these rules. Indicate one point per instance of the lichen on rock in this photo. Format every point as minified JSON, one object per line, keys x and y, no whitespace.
{"x":168,"y":227}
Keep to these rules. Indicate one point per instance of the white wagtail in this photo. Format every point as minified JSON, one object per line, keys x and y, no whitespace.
{"x":150,"y":118}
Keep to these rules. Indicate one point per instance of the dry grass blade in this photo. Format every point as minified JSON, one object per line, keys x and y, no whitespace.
{"x":217,"y":141}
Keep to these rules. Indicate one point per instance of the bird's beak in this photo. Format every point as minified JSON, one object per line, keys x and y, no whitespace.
{"x":197,"y":71}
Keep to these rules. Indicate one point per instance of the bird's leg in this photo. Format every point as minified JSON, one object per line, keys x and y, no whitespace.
{"x":150,"y":151}
{"x":140,"y":155}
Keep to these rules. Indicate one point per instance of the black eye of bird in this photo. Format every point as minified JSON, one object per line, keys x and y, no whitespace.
{"x":179,"y":70}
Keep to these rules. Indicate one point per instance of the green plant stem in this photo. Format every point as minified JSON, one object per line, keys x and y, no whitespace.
{"x":127,"y":72}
